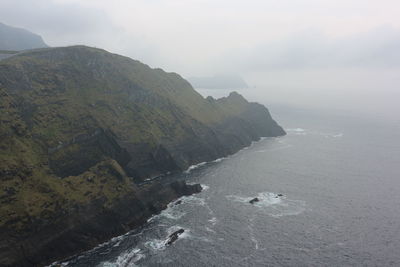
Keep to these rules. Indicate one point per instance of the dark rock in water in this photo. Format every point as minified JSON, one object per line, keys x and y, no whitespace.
{"x":280,"y":195}
{"x":178,"y":202}
{"x":185,"y":189}
{"x":254,"y":200}
{"x":174,"y":236}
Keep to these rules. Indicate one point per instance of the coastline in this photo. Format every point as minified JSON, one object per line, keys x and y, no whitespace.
{"x":74,"y":176}
{"x":149,"y":218}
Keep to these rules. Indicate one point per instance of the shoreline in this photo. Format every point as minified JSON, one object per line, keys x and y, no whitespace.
{"x":156,"y":180}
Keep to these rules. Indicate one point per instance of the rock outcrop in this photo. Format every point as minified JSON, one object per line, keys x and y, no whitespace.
{"x":80,"y":128}
{"x":254,"y":200}
{"x":174,"y":236}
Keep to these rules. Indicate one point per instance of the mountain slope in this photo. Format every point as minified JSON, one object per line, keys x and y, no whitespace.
{"x":80,"y":128}
{"x":16,"y":39}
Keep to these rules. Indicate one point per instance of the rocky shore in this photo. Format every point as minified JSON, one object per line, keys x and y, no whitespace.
{"x":88,"y":225}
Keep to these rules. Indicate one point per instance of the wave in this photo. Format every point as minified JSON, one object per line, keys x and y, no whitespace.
{"x":301,"y":131}
{"x":213,"y":220}
{"x":337,"y":135}
{"x":193,"y":200}
{"x":273,"y":148}
{"x":156,"y":244}
{"x":331,"y":135}
{"x":208,"y":229}
{"x":173,"y":210}
{"x":126,"y":259}
{"x":219,"y":160}
{"x":193,"y":167}
{"x":297,"y":130}
{"x":204,"y":187}
{"x":161,"y":244}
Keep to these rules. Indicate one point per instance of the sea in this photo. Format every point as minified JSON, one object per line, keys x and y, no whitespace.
{"x":328,"y":191}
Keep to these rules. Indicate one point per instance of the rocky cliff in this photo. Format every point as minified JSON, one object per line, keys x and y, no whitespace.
{"x":80,"y":128}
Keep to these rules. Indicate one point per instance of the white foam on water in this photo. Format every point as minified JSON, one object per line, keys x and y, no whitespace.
{"x":191,"y":168}
{"x":128,"y":258}
{"x":337,"y":135}
{"x":252,"y":143}
{"x":62,"y":264}
{"x":195,"y":166}
{"x":171,"y":212}
{"x":298,"y":130}
{"x":219,"y":160}
{"x":213,"y":220}
{"x":193,"y":200}
{"x":329,"y":135}
{"x":273,"y":149}
{"x":210,"y":230}
{"x":161,"y":244}
{"x":155,"y":244}
{"x":255,"y":241}
{"x":204,"y":187}
{"x":272,"y":204}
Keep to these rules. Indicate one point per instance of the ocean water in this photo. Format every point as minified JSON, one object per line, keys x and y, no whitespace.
{"x":339,"y":177}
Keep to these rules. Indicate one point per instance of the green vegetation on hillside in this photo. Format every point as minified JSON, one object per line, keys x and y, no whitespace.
{"x":74,"y":120}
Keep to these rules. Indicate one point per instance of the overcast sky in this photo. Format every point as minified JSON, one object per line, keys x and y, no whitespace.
{"x":288,"y":44}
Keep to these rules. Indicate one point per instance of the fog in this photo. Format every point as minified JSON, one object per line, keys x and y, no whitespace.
{"x":335,"y":54}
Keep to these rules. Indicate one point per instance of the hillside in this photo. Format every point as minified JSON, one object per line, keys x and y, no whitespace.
{"x":80,"y":128}
{"x":16,"y":39}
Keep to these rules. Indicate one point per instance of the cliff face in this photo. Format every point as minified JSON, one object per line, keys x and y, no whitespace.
{"x":80,"y":127}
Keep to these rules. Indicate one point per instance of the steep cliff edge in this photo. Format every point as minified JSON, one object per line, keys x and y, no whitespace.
{"x":81,"y":127}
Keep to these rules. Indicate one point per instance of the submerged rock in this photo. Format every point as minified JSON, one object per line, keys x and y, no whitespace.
{"x":254,"y":200}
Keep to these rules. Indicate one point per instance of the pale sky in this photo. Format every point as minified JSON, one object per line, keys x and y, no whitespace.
{"x":294,"y":45}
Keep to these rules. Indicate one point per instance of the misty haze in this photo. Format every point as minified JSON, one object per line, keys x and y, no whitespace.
{"x":199,"y":133}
